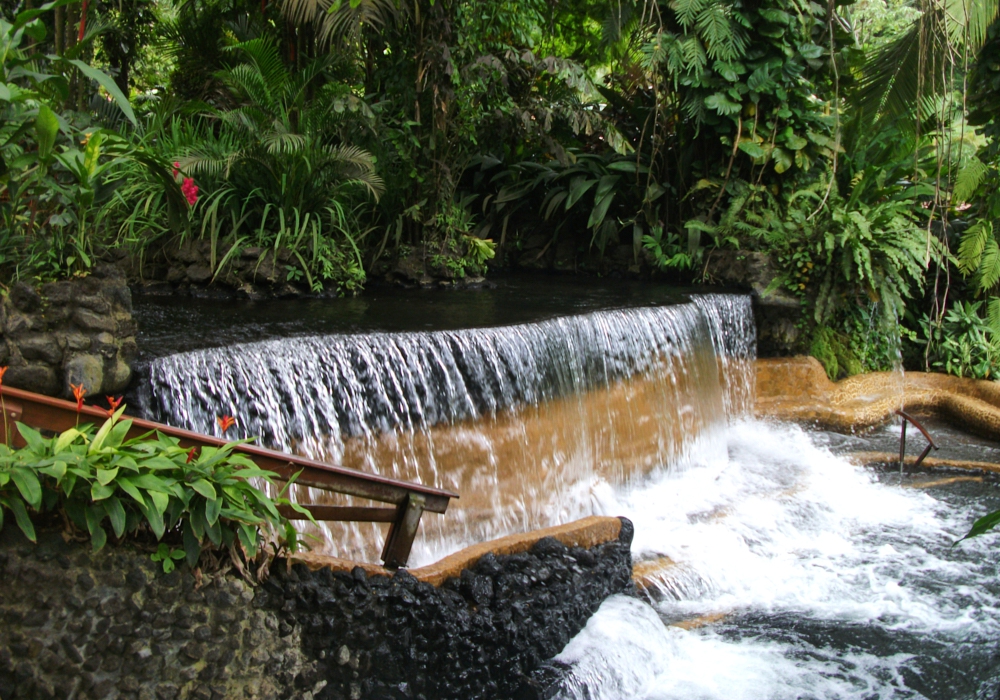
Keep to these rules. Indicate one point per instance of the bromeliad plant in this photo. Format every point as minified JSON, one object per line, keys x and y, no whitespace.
{"x":97,"y":478}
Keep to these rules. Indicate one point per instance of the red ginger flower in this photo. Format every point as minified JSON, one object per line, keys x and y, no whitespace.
{"x":114,"y":403}
{"x":78,"y":393}
{"x":226,"y":422}
{"x":191,"y":455}
{"x":177,"y":167}
{"x":190,"y":191}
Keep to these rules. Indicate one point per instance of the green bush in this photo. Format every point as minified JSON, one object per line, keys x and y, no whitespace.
{"x":964,"y":344}
{"x":145,"y":484}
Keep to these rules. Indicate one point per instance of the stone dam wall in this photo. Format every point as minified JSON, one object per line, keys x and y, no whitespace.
{"x":74,"y":624}
{"x":77,"y":331}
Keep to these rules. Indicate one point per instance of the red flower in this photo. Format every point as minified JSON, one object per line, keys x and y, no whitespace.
{"x":189,"y":190}
{"x":177,"y":167}
{"x":191,"y":455}
{"x":3,"y":371}
{"x":78,"y":393}
{"x":114,"y":403}
{"x":83,"y":21}
{"x":226,"y":422}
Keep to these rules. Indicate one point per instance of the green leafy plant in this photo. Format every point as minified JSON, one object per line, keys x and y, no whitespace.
{"x":167,"y":555}
{"x":149,"y":484}
{"x":964,"y":344}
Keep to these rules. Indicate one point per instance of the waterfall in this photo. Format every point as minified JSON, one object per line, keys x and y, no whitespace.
{"x":520,"y":420}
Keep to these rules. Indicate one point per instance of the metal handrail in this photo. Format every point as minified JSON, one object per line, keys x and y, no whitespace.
{"x":902,"y":439}
{"x":409,"y":499}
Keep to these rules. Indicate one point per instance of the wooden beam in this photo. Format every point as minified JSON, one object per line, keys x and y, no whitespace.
{"x":342,"y":513}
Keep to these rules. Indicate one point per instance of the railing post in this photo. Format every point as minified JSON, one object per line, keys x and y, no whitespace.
{"x":402,"y":532}
{"x":12,"y":411}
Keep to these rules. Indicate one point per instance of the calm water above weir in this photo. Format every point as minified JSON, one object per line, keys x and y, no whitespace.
{"x":541,"y":402}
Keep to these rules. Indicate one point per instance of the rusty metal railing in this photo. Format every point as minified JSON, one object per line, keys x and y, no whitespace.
{"x":408,"y":500}
{"x":907,"y":418}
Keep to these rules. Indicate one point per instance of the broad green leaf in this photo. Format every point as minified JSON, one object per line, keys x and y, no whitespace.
{"x":32,"y":437}
{"x":212,"y":510}
{"x":65,"y":439}
{"x":795,"y":142}
{"x":983,"y":524}
{"x":95,"y":514}
{"x":204,"y":488}
{"x":248,"y":538}
{"x":106,"y":476}
{"x":116,"y":513}
{"x":606,"y":184}
{"x":46,"y":130}
{"x":57,"y":471}
{"x":600,"y":210}
{"x":105,"y":81}
{"x":128,"y":487}
{"x":752,"y":149}
{"x":214,"y":532}
{"x":192,"y":545}
{"x":98,"y":442}
{"x":578,"y":187}
{"x":160,"y":501}
{"x":810,"y":50}
{"x":27,"y":483}
{"x":782,"y":161}
{"x":21,"y":518}
{"x":118,"y":433}
{"x":99,"y":492}
{"x":154,"y":518}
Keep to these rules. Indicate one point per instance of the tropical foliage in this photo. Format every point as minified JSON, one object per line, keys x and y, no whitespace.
{"x":853,"y":144}
{"x":100,"y":482}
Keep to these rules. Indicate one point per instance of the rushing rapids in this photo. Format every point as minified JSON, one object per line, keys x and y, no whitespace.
{"x":789,"y":573}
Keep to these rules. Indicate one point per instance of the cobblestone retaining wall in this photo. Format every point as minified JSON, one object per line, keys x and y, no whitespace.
{"x":77,"y":331}
{"x":79,"y":625}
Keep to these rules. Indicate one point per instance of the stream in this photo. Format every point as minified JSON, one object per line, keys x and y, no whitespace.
{"x":795,"y":574}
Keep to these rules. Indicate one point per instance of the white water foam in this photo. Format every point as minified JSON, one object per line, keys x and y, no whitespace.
{"x":766,"y":525}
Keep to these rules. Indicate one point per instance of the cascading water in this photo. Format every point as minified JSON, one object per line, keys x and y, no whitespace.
{"x":816,"y":578}
{"x":519,"y":420}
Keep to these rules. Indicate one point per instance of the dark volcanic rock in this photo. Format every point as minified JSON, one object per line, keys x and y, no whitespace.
{"x":112,"y":624}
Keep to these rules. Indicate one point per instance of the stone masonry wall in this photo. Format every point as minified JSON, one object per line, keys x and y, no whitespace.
{"x":79,"y":625}
{"x":77,"y":331}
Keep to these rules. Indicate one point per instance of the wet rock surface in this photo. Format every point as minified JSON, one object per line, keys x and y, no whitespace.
{"x":776,"y":312}
{"x":77,"y":331}
{"x":113,"y":625}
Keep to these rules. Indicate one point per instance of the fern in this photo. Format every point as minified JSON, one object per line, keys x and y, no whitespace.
{"x":968,"y":180}
{"x":970,"y":250}
{"x":989,"y":269}
{"x":688,"y":10}
{"x":993,"y":315}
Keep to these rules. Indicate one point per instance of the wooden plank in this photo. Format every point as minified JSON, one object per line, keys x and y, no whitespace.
{"x":343,"y":513}
{"x":399,"y":541}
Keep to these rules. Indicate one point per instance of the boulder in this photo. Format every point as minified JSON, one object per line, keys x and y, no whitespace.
{"x":87,"y":370}
{"x":43,"y":347}
{"x":35,"y":377}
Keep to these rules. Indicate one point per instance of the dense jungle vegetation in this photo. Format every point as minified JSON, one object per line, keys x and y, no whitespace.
{"x":854,"y":144}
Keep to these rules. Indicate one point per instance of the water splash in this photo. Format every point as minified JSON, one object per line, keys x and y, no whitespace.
{"x":830,"y":583}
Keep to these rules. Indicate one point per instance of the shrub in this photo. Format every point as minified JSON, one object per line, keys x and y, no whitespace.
{"x":150,"y":483}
